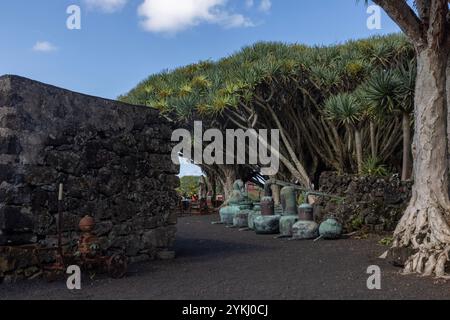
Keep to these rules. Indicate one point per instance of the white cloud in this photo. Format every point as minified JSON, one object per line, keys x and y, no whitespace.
{"x":172,"y":16}
{"x":235,"y":21}
{"x":265,"y":5}
{"x":187,"y":168}
{"x":44,"y":46}
{"x":107,"y":6}
{"x":249,"y":3}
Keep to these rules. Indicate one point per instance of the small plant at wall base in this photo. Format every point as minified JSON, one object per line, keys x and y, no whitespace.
{"x":386,"y":241}
{"x":357,"y":223}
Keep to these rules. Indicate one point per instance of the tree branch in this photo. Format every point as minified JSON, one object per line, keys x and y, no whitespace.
{"x":404,"y":16}
{"x":437,"y":31}
{"x":423,"y":8}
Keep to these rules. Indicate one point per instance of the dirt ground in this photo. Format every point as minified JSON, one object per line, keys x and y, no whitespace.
{"x":214,"y":262}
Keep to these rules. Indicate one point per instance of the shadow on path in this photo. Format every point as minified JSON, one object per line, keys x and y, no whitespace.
{"x":211,"y":249}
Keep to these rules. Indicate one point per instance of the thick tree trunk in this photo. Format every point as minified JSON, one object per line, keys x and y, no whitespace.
{"x":448,"y":107}
{"x":373,"y":143}
{"x":424,"y":226}
{"x":305,"y":180}
{"x":359,"y":152}
{"x":406,"y":146}
{"x":276,"y":194}
{"x":228,"y":180}
{"x":213,"y":188}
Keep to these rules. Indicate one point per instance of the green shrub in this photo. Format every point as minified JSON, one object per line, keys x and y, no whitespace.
{"x":357,"y":223}
{"x":386,"y":241}
{"x":373,"y":167}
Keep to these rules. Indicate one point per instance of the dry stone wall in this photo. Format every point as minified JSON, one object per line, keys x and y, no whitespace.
{"x":372,"y":203}
{"x":113,"y":159}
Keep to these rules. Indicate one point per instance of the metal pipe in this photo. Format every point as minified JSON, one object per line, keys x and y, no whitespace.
{"x":60,"y":208}
{"x":307,"y":192}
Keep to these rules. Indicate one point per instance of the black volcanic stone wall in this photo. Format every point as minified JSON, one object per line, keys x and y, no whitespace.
{"x":372,"y":203}
{"x":113,"y":159}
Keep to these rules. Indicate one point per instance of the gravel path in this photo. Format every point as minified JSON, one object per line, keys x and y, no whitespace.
{"x":214,"y":262}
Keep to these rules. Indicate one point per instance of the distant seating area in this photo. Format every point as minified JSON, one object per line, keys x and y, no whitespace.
{"x":198,"y":207}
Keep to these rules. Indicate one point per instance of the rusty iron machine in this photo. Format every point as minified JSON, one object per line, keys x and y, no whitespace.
{"x":87,"y":254}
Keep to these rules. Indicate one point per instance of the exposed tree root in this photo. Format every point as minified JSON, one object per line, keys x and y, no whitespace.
{"x":426,"y":231}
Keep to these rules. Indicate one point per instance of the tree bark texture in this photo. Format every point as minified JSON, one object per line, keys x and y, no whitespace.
{"x":424,"y":226}
{"x":406,"y":128}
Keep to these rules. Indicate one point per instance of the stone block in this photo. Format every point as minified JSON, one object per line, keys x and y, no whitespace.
{"x":9,"y":145}
{"x":15,"y":219}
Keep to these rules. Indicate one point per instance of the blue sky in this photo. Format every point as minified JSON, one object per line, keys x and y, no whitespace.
{"x":121,"y":42}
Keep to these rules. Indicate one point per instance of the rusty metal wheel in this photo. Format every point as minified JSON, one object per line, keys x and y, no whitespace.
{"x":117,"y":266}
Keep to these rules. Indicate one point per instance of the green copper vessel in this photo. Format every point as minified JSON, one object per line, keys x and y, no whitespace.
{"x":289,"y":215}
{"x":240,"y":219}
{"x":330,"y":229}
{"x":227,"y":213}
{"x":237,"y":201}
{"x":252,"y":215}
{"x":304,"y":230}
{"x":267,"y":224}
